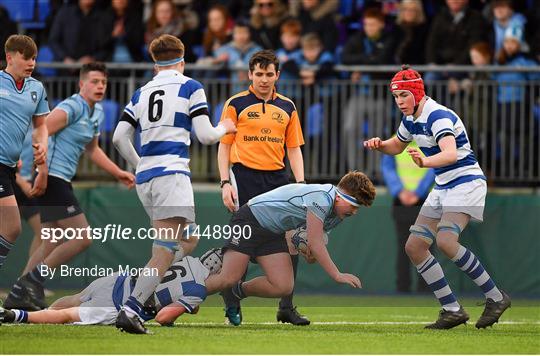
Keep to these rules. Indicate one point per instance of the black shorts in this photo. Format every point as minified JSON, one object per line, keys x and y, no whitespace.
{"x":261,"y":242}
{"x":28,"y":207}
{"x":7,"y":180}
{"x":58,"y":202}
{"x":252,"y":182}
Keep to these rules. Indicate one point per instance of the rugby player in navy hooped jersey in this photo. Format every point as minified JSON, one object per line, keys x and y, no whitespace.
{"x":458,"y":196}
{"x":73,"y":127}
{"x":22,"y":101}
{"x":181,"y":291}
{"x":166,"y":109}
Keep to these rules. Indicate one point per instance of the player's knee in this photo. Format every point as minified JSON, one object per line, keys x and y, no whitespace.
{"x":419,"y":240}
{"x":410,"y":247}
{"x":447,"y":236}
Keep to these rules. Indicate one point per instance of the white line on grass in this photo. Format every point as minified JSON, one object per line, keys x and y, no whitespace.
{"x":209,"y":323}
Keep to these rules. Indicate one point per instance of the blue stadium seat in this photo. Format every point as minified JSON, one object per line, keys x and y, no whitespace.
{"x":216,"y":115}
{"x":111,"y":109}
{"x":44,"y":9}
{"x":315,"y":120}
{"x":198,"y":50}
{"x":45,"y":55}
{"x":19,"y":10}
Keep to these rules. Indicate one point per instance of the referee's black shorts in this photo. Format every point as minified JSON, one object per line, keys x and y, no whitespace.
{"x":252,"y":182}
{"x":257,"y":241}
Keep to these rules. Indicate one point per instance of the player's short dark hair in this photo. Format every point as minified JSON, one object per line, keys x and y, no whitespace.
{"x":263,"y":58}
{"x":22,"y":44}
{"x":358,"y":185}
{"x":165,"y":48}
{"x":93,"y":67}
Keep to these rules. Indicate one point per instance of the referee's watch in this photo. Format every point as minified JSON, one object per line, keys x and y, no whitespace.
{"x":223,"y":182}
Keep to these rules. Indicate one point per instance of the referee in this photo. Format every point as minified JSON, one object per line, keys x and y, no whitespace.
{"x":252,"y":161}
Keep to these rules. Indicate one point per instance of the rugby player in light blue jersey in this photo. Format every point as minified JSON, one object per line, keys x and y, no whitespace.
{"x":23,"y":101}
{"x":265,"y":219}
{"x":74,"y":128}
{"x":28,"y":204}
{"x":166,"y":109}
{"x":458,"y":196}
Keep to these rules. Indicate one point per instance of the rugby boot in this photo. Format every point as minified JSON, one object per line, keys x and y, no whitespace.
{"x":449,"y":319}
{"x":291,"y":316}
{"x":493,"y":311}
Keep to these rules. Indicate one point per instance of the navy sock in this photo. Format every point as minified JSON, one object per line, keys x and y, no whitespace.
{"x":5,"y":247}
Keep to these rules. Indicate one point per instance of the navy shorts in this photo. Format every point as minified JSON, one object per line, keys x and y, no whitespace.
{"x":261,"y":242}
{"x":58,"y":202}
{"x":7,"y":180}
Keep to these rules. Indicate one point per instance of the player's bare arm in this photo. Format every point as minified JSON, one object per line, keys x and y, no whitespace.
{"x":96,"y":154}
{"x":447,"y":156}
{"x":320,"y":253}
{"x":392,"y":146}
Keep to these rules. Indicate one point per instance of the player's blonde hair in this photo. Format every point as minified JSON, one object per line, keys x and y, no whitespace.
{"x":166,"y":48}
{"x":358,"y":185}
{"x":22,"y":44}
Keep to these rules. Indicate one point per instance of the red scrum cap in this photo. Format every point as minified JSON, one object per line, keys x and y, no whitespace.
{"x":409,"y":80}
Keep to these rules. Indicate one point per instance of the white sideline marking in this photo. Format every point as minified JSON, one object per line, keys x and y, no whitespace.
{"x":209,"y":323}
{"x":347,"y":323}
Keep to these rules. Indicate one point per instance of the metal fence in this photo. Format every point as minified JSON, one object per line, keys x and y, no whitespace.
{"x":338,"y":115}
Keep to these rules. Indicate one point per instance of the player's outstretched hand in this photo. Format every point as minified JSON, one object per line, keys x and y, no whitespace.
{"x":229,"y":126}
{"x":373,"y":143}
{"x":126,"y":178}
{"x":416,"y":157}
{"x":350,"y":279}
{"x":40,"y":154}
{"x":40,"y":184}
{"x":229,"y":197}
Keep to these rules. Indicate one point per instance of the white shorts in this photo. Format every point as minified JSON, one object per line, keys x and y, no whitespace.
{"x":97,"y":307}
{"x":468,"y":198}
{"x":169,"y":196}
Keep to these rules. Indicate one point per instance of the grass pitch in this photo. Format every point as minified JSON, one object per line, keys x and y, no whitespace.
{"x":340,"y":325}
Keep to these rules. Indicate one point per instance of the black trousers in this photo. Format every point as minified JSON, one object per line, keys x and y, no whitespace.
{"x":404,"y":217}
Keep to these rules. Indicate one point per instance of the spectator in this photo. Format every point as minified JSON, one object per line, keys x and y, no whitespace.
{"x":371,"y":46}
{"x":503,"y":18}
{"x":266,"y":19}
{"x":533,"y":29}
{"x":411,"y":23}
{"x":238,"y":51}
{"x":7,"y":28}
{"x":164,"y":19}
{"x":479,"y":103}
{"x":291,"y":31}
{"x":128,"y":31}
{"x":312,"y":54}
{"x":81,"y":33}
{"x":454,"y":29}
{"x":317,"y":16}
{"x":218,"y":31}
{"x":514,"y":106}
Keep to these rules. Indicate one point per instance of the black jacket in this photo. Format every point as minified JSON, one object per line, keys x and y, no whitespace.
{"x":75,"y":35}
{"x":449,"y":42}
